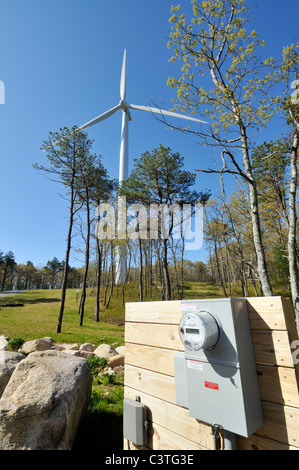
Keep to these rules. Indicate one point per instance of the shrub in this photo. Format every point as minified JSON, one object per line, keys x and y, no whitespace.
{"x":16,"y":343}
{"x":96,"y":363}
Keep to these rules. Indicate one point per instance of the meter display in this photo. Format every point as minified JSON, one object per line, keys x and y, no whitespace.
{"x":199,"y":331}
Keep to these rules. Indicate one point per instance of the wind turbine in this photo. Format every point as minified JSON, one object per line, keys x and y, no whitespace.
{"x":123,"y":158}
{"x":126,"y":117}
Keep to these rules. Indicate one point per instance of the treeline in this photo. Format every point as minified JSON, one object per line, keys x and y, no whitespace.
{"x":18,"y":276}
{"x":14,"y":276}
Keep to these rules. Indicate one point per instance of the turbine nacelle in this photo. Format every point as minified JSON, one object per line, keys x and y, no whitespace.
{"x":125,"y":107}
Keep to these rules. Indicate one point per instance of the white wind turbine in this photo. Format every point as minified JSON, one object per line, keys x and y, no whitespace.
{"x":126,"y":116}
{"x":123,"y":158}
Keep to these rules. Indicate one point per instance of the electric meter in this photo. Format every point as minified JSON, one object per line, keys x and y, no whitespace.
{"x":216,"y":376}
{"x":199,"y":330}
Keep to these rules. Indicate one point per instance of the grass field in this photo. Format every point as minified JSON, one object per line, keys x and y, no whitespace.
{"x":33,"y":314}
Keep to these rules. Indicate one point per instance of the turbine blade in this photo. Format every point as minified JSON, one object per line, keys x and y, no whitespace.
{"x":92,"y":122}
{"x":101,"y":117}
{"x":123,"y":77}
{"x":162,"y":111}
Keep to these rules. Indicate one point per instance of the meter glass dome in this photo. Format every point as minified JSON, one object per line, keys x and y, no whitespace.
{"x":199,"y":331}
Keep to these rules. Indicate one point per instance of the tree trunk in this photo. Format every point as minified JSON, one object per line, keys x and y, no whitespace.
{"x":255,"y":219}
{"x":67,"y":257}
{"x":83,"y":293}
{"x":112,"y":278}
{"x":4,"y":276}
{"x":98,"y":280}
{"x":293,"y":270}
{"x":218,"y":269}
{"x":165,"y":271}
{"x":140,"y":271}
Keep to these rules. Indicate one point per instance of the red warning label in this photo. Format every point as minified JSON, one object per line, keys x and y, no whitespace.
{"x":211,"y":385}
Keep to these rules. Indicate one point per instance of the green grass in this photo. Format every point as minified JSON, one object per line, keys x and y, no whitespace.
{"x":36,"y":317}
{"x":34,"y":314}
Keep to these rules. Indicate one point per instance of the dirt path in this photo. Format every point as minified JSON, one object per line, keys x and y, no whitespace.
{"x":11,"y":292}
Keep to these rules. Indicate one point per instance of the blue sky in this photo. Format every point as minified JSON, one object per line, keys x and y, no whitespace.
{"x":60,"y":62}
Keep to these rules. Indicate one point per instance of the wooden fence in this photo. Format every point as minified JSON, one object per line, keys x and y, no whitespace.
{"x":152,"y":339}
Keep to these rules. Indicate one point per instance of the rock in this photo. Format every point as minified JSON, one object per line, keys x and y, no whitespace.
{"x":8,"y":362}
{"x":43,"y":403}
{"x":107,"y":371}
{"x":117,"y":360}
{"x":3,"y":342}
{"x":71,"y":347}
{"x":121,"y":350}
{"x":79,"y":353}
{"x":105,"y":350}
{"x":37,"y":345}
{"x":87,"y":347}
{"x":66,"y":347}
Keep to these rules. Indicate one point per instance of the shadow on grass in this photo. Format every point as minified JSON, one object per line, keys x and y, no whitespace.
{"x":20,"y":302}
{"x":100,"y":430}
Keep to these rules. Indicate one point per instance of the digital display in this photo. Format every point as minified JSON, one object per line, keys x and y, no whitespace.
{"x":192,"y":330}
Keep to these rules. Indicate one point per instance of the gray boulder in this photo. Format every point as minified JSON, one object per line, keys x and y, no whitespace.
{"x":8,"y":362}
{"x":43,"y":403}
{"x":3,"y":342}
{"x":105,"y":350}
{"x":41,"y":344}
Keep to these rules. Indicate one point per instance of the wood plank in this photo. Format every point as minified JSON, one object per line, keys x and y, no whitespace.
{"x":152,"y":383}
{"x":164,"y":439}
{"x":169,"y":312}
{"x":174,"y":417}
{"x":278,"y":385}
{"x":266,"y":313}
{"x":128,"y":445}
{"x":148,"y":357}
{"x":152,"y":334}
{"x":290,"y":319}
{"x":272,"y":347}
{"x":255,"y":442}
{"x":281,"y":423}
{"x":292,"y":332}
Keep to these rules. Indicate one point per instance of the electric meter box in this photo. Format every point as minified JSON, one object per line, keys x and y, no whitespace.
{"x":134,"y":418}
{"x":216,"y":377}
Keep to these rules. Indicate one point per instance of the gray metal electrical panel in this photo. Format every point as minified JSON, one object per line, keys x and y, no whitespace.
{"x":134,"y":422}
{"x":216,"y":377}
